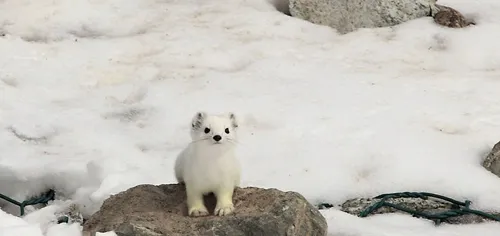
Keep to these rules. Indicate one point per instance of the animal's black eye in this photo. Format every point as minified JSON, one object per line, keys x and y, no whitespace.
{"x":227,"y":130}
{"x":207,"y":130}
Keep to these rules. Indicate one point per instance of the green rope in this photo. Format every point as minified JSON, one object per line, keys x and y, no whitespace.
{"x":45,"y":198}
{"x":458,"y":208}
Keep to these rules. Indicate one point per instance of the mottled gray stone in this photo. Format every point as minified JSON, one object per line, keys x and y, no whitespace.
{"x":349,"y":15}
{"x":449,"y":17}
{"x":431,"y":205}
{"x":492,"y":161}
{"x":149,"y":210}
{"x":72,"y":213}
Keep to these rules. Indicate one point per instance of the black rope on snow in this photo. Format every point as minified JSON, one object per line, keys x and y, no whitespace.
{"x":44,"y":198}
{"x":458,"y":208}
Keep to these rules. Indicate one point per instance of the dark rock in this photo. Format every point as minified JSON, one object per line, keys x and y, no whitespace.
{"x":449,"y":17}
{"x":492,"y":161}
{"x":149,"y":210}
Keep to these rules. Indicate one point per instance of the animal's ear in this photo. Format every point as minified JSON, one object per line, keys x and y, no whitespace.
{"x":198,"y":120}
{"x":234,"y":121}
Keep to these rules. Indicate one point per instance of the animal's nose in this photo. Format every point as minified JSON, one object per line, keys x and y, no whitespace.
{"x":217,"y":138}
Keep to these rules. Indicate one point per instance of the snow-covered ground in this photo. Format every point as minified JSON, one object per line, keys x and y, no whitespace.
{"x":113,"y":84}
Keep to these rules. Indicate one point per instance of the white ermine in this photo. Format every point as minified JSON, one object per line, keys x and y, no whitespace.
{"x":208,"y":164}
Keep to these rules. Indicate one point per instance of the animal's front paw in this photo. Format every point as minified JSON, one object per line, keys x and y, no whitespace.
{"x":223,"y":209}
{"x":198,"y":211}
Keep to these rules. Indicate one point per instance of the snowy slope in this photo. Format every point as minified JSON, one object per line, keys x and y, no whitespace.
{"x":112,"y":85}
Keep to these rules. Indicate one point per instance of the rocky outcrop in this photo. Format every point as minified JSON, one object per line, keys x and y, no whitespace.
{"x":349,"y":15}
{"x":492,"y":161}
{"x":149,"y":210}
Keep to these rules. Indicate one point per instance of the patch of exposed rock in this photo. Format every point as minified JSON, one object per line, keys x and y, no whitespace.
{"x":449,"y":17}
{"x":149,"y":210}
{"x":349,"y":15}
{"x":492,"y":161}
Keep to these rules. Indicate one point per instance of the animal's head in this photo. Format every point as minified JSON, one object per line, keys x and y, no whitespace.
{"x":214,"y":129}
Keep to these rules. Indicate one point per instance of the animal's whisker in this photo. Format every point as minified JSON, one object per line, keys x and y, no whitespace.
{"x":234,"y":141}
{"x":198,"y":140}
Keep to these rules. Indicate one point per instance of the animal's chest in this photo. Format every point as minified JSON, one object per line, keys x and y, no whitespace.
{"x":215,"y":168}
{"x":213,"y":172}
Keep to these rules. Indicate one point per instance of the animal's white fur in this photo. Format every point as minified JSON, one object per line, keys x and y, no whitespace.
{"x":206,"y":165}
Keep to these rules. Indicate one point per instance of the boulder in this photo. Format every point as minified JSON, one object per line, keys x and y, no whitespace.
{"x":430,"y":206}
{"x":155,"y":210}
{"x":492,"y":161}
{"x":449,"y":17}
{"x":349,"y":15}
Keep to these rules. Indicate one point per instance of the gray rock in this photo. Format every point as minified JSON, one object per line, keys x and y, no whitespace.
{"x":349,"y":15}
{"x":430,"y":206}
{"x":450,"y":17}
{"x":492,"y":161}
{"x":70,"y":214}
{"x":149,"y":210}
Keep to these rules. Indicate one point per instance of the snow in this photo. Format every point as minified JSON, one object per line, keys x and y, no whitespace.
{"x":112,"y":85}
{"x":13,"y":226}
